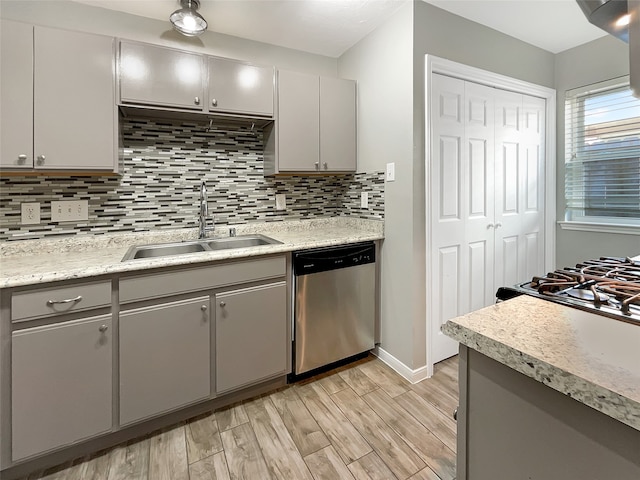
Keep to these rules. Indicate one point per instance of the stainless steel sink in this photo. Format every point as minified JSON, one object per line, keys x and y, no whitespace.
{"x":243,"y":241}
{"x":163,"y":250}
{"x":169,"y":249}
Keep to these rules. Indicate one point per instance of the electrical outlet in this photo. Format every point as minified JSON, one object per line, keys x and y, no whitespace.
{"x":364,"y":200}
{"x":30,"y":213}
{"x":281,"y":201}
{"x":69,"y":211}
{"x":391,"y":172}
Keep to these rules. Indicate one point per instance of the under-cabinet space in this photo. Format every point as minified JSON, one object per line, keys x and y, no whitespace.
{"x":61,"y":390}
{"x":251,"y":335}
{"x":164,"y":357}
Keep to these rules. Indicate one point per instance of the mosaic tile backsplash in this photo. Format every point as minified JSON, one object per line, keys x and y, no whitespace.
{"x":164,"y":164}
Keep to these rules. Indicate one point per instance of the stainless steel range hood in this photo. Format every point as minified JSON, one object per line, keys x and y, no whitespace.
{"x":608,"y":15}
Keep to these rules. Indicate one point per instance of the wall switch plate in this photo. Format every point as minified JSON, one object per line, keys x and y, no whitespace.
{"x":364,"y":200}
{"x":281,"y":201}
{"x":391,"y":172}
{"x":69,"y":211}
{"x":30,"y":213}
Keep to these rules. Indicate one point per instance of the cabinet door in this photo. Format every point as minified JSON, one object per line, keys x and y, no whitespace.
{"x":251,"y":335}
{"x":337,"y":125}
{"x":61,"y":384}
{"x":298,"y":122}
{"x":239,"y":88}
{"x":74,"y":104}
{"x":151,"y":75}
{"x":164,"y":358}
{"x":16,"y":95}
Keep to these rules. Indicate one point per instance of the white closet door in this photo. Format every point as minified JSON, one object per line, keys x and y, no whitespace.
{"x":486,"y":188}
{"x":479,"y":211}
{"x":462,"y":204}
{"x":447,"y":218}
{"x":519,"y":173}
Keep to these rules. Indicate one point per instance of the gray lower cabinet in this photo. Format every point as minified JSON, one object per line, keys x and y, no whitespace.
{"x":61,"y":384}
{"x":251,"y":335}
{"x":164,"y":357}
{"x":49,"y":77}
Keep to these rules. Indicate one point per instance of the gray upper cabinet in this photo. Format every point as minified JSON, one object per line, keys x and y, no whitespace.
{"x":50,"y":78}
{"x":251,"y":335}
{"x":165,"y":78}
{"x":316,"y":126}
{"x":298,"y":122}
{"x":164,"y":357}
{"x":61,"y":384}
{"x":153,"y":75}
{"x":337,"y":125}
{"x":16,"y":95}
{"x":236,"y":87}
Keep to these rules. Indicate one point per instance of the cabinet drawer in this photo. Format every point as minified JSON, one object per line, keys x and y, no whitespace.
{"x":202,"y":278}
{"x":59,"y":300}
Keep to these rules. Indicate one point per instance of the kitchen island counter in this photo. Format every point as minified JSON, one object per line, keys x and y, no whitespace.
{"x":593,"y":359}
{"x":553,"y":389}
{"x":32,"y":262}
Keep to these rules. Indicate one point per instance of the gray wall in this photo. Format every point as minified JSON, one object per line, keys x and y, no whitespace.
{"x":389,"y":68}
{"x":80,"y":17}
{"x":592,"y":62}
{"x":382,"y":64}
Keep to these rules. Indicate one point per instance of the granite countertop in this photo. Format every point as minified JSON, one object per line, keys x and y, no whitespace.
{"x":31,"y":262}
{"x":591,"y":358}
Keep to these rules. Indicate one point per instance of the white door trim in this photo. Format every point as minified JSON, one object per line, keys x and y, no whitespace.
{"x":442,"y":66}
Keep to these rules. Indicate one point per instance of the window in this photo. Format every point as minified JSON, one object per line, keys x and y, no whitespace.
{"x":602,"y":154}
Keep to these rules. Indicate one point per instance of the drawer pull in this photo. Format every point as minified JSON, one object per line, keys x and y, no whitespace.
{"x":68,"y":300}
{"x":103,"y":328}
{"x":222,"y":304}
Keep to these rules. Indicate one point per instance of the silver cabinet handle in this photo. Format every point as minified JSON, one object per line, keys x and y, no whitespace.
{"x":222,"y":304}
{"x":317,"y":164}
{"x":22,"y":158}
{"x":498,"y":225}
{"x":491,"y":225}
{"x":41,"y":159}
{"x":103,"y":328}
{"x":326,"y":165}
{"x":68,"y":300}
{"x":214,"y":102}
{"x":455,"y":414}
{"x":203,"y":308}
{"x":196,"y":100}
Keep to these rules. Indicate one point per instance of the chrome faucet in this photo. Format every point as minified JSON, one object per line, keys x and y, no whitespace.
{"x":204,"y":212}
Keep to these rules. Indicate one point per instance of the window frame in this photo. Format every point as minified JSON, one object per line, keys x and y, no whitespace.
{"x":576,"y":220}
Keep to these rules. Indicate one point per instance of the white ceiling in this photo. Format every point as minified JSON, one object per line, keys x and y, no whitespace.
{"x":330,"y":27}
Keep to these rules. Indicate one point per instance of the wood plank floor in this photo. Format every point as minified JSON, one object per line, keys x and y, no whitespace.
{"x":361,"y":421}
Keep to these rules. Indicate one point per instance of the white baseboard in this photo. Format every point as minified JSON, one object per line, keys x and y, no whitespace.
{"x":414,"y":376}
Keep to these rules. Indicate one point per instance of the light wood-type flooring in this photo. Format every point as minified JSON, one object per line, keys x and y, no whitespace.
{"x":360,"y":421}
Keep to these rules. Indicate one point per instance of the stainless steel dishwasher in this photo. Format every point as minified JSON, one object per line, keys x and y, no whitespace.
{"x":334,"y":312}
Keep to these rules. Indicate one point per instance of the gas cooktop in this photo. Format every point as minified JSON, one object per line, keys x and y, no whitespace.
{"x":607,"y":286}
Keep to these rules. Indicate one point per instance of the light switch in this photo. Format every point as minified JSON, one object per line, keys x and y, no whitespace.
{"x":391,"y":172}
{"x":281,"y":201}
{"x":364,"y":200}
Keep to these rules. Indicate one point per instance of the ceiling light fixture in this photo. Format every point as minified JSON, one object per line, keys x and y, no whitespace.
{"x":187,"y":20}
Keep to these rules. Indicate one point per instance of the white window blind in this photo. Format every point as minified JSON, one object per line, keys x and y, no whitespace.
{"x":602,"y":154}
